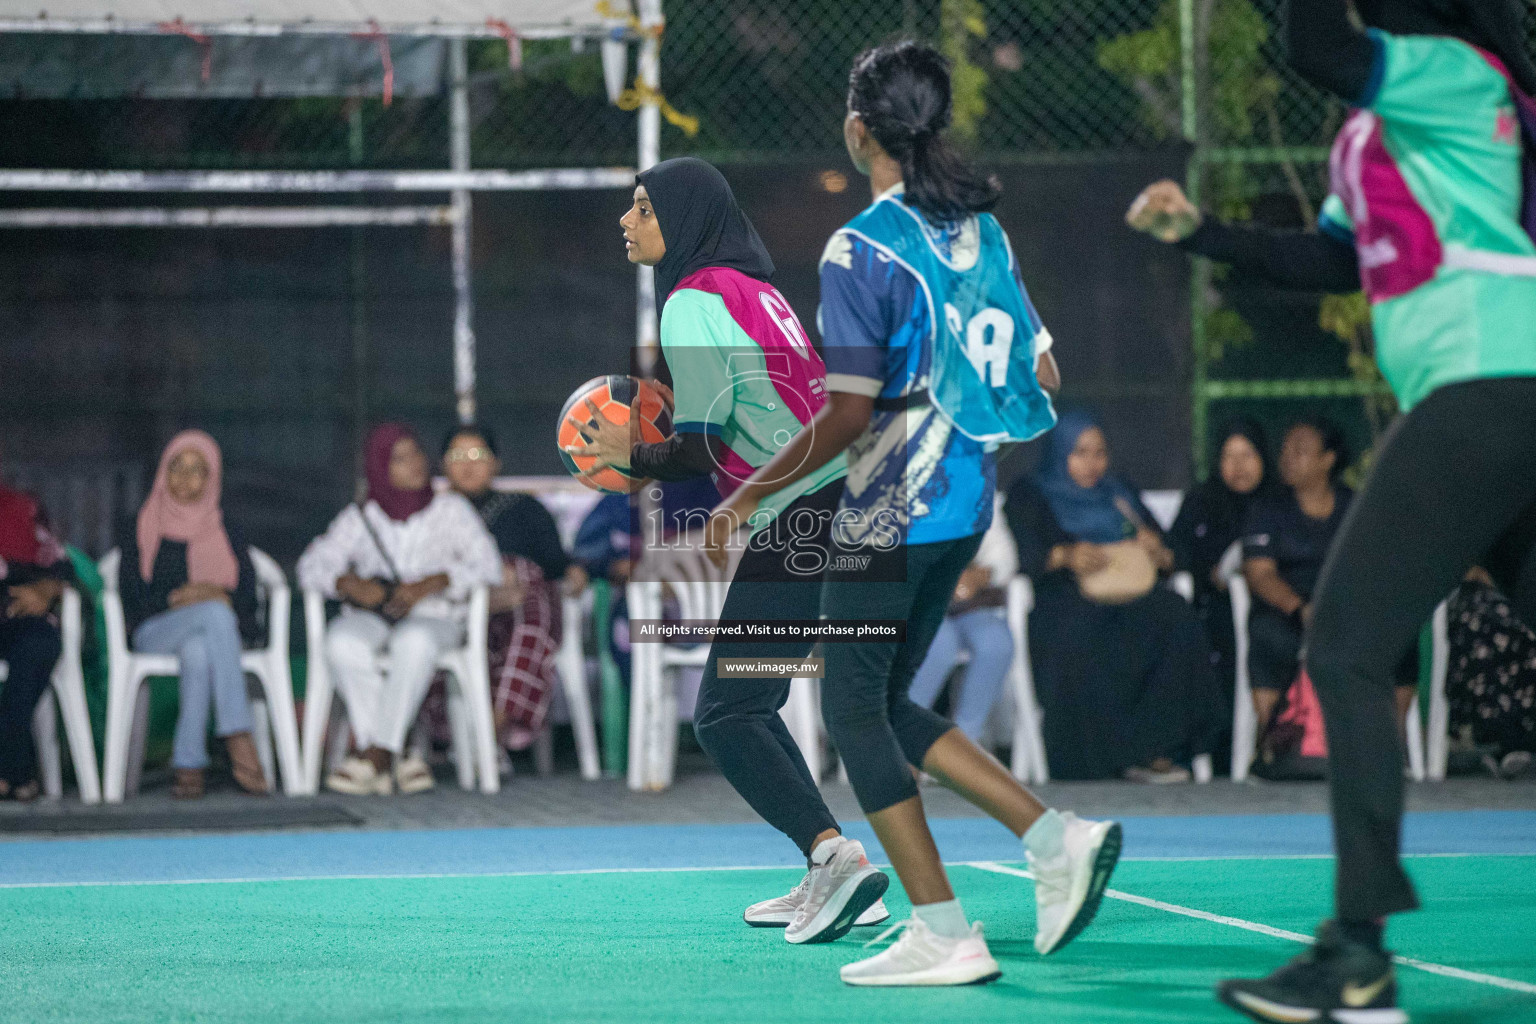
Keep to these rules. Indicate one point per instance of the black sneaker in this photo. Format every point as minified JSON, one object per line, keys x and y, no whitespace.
{"x":1336,"y":980}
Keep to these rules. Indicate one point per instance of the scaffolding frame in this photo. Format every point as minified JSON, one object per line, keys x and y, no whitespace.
{"x":459,"y":181}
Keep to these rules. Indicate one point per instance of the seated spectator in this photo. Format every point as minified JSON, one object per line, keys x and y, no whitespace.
{"x":1285,"y":540}
{"x":1127,"y":688}
{"x":606,"y":546}
{"x":975,"y":623}
{"x":404,"y":564}
{"x":525,"y":625}
{"x":33,"y":573}
{"x":188,"y":589}
{"x":1490,"y":683}
{"x":1210,"y":521}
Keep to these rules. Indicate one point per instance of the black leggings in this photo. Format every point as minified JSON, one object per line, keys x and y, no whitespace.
{"x":737,"y":720}
{"x":1454,"y":485}
{"x":1274,"y":652}
{"x":878,"y":730}
{"x":29,"y":647}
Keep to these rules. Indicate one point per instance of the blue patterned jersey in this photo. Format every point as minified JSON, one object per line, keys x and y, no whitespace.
{"x":912,"y":476}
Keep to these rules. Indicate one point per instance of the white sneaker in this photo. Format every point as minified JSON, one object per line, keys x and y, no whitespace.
{"x":839,"y":892}
{"x":921,"y":957}
{"x":1158,"y":776}
{"x":779,"y":911}
{"x":356,"y":776}
{"x":1070,"y":886}
{"x":413,"y":775}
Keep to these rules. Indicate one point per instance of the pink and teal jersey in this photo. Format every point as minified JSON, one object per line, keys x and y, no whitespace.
{"x":1428,"y":186}
{"x":743,"y":370}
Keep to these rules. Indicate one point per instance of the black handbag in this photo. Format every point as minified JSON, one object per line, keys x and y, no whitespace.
{"x":390,"y":584}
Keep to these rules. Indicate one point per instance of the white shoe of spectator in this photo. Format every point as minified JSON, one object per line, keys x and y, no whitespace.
{"x":1515,"y":764}
{"x":1158,"y":775}
{"x":780,"y":911}
{"x":921,"y":957}
{"x":413,"y":775}
{"x":356,"y":776}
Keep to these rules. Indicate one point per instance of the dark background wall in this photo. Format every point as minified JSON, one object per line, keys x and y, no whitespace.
{"x":285,"y":344}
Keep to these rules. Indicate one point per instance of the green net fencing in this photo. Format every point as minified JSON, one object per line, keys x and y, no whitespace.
{"x":1035,"y":81}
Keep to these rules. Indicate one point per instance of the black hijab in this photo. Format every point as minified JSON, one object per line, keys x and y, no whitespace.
{"x":1497,"y":26}
{"x":701,"y":224}
{"x":1228,"y":507}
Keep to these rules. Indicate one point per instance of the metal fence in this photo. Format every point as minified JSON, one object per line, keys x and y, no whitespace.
{"x":1036,"y":81}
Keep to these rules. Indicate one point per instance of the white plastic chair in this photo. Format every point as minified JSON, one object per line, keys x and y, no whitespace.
{"x":67,"y":690}
{"x":469,"y":698}
{"x":700,"y":590}
{"x":128,"y":703}
{"x":1028,"y":761}
{"x":1245,"y":721}
{"x":571,"y":663}
{"x":802,"y":714}
{"x":1439,"y":725}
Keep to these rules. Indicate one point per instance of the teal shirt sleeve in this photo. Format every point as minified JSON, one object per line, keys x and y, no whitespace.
{"x":1434,"y":84}
{"x":696,"y":337}
{"x":1334,"y":220}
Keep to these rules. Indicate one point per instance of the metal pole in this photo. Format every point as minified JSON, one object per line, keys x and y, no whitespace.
{"x":228,"y":217}
{"x":12,"y":180}
{"x":646,"y":337}
{"x":647,"y":330}
{"x":358,"y":281}
{"x":463,"y":297}
{"x":1200,"y":271}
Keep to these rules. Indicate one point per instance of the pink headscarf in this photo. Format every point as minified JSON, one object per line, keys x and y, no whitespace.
{"x":210,"y":558}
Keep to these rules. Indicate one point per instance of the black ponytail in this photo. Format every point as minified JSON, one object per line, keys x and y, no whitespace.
{"x":901,"y":93}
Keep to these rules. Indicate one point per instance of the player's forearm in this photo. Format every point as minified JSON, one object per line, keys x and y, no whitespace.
{"x":828,"y":435}
{"x":1304,"y":260}
{"x":682,"y":456}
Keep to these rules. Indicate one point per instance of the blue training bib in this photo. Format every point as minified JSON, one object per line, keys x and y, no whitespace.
{"x":983,"y":336}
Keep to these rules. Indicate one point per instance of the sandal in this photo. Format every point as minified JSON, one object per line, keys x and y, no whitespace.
{"x":413,"y":775}
{"x":357,"y":776}
{"x":188,"y":784}
{"x":245,"y":764}
{"x":24,"y":793}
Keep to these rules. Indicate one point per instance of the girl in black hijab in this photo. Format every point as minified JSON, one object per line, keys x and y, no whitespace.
{"x":1211,"y":518}
{"x":704,"y":226}
{"x":1210,"y":521}
{"x":747,"y":381}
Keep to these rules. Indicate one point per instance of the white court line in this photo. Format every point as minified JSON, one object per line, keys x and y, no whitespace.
{"x":985,"y":865}
{"x":1277,"y":933}
{"x":120,"y":883}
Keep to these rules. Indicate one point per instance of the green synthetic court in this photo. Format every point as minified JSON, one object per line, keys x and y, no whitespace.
{"x":668,"y":945}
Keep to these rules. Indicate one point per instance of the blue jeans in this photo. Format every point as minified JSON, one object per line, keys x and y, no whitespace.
{"x":985,"y":634}
{"x":206,"y":638}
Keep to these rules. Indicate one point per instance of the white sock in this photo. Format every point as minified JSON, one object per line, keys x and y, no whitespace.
{"x":946,"y":919}
{"x":1045,"y":836}
{"x":824,"y":850}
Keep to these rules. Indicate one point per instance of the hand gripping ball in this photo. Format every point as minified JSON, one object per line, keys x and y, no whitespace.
{"x":613,"y":395}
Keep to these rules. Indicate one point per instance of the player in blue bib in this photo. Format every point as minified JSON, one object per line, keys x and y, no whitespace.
{"x":934,"y":357}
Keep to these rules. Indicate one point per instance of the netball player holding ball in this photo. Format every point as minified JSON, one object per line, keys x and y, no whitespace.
{"x":747,"y":381}
{"x":933,"y":350}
